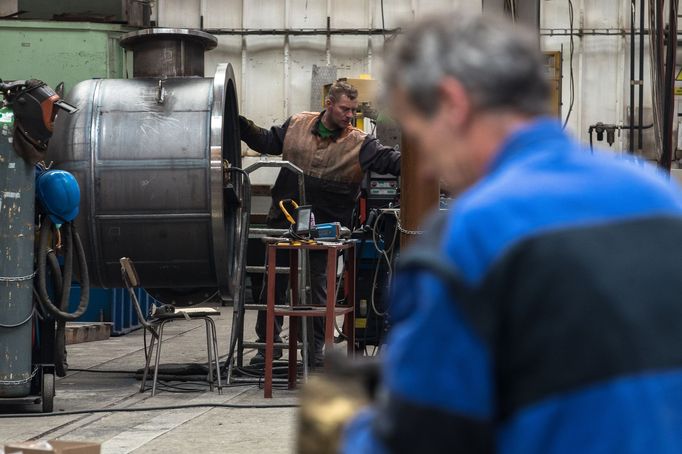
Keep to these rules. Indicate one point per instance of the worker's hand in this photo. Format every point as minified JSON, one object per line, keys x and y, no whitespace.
{"x":247,"y":128}
{"x":330,"y":401}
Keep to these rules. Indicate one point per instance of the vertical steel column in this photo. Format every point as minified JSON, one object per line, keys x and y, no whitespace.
{"x":640,"y":104}
{"x":669,"y":72}
{"x":417,"y":197}
{"x":631,"y":115}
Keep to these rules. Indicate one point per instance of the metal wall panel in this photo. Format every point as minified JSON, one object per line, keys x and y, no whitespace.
{"x":275,"y":81}
{"x":56,"y":52}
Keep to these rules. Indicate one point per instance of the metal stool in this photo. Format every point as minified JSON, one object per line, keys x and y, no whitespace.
{"x":155,"y":327}
{"x":328,"y":312}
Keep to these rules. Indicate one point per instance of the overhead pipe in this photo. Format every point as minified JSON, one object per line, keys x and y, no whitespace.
{"x":303,"y":31}
{"x":580,"y":32}
{"x":392,"y":31}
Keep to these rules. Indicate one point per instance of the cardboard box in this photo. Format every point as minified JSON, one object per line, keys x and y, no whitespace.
{"x":54,"y":447}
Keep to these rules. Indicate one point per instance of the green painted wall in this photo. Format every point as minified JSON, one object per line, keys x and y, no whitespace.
{"x":61,"y":51}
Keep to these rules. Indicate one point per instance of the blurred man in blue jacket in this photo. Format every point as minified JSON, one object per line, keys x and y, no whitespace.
{"x":543,"y":312}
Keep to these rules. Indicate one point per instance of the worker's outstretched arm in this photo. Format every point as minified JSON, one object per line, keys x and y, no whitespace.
{"x":379,"y":158}
{"x":437,"y":388}
{"x":266,"y":141}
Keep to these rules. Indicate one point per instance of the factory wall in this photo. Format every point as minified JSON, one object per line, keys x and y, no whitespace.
{"x":274,"y":72}
{"x":601,"y":65}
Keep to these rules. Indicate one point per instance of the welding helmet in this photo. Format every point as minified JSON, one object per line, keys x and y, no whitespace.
{"x":35,"y":108}
{"x":59,"y":195}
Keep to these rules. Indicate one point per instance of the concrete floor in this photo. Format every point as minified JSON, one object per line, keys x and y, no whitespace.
{"x":205,"y":430}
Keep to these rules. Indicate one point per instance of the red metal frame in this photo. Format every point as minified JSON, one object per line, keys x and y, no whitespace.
{"x":294,"y":310}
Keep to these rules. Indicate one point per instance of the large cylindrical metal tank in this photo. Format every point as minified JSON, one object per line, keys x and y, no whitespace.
{"x":150,"y":156}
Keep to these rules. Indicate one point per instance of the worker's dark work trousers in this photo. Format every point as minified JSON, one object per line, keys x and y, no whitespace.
{"x":318,"y":284}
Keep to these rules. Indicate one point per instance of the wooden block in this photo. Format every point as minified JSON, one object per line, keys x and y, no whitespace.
{"x":79,"y":332}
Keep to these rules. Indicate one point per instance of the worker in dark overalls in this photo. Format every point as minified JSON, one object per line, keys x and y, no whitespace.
{"x":333,"y":156}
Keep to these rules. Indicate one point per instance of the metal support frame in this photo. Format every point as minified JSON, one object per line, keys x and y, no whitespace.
{"x":237,"y":333}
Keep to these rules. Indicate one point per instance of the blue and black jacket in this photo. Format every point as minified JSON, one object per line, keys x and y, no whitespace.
{"x":543,"y":314}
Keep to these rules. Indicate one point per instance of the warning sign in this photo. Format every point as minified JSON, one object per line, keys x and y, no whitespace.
{"x":679,"y":76}
{"x":678,"y":91}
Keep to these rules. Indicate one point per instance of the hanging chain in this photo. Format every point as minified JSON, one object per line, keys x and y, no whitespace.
{"x":404,"y":230}
{"x":20,"y":382}
{"x":18,"y":278}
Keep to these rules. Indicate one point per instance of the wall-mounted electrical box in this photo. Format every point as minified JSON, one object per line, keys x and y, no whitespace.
{"x":553,"y":71}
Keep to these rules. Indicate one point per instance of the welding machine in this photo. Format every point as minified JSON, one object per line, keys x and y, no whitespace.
{"x":328,"y":231}
{"x":34,"y":283}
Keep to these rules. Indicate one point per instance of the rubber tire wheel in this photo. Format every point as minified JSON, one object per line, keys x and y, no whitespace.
{"x":47,"y":393}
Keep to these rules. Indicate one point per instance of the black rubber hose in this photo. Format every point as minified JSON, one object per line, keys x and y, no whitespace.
{"x":61,"y":367}
{"x":43,"y":248}
{"x":67,"y":270}
{"x":60,"y":363}
{"x":72,"y":240}
{"x":240,"y":271}
{"x":56,"y":271}
{"x":141,"y":409}
{"x":84,"y":276}
{"x":47,"y":255}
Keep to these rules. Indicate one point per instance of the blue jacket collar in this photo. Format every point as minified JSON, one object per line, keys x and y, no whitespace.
{"x":527,"y":139}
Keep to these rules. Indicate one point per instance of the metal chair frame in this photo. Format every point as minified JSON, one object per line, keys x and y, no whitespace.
{"x":155,"y":327}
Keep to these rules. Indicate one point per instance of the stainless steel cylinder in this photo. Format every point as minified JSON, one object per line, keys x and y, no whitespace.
{"x":168,"y":52}
{"x":149,"y":155}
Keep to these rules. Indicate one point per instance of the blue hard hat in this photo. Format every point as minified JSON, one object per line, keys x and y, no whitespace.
{"x":59,"y":195}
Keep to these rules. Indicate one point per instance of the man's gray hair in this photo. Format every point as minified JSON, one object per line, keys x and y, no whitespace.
{"x":499,"y":63}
